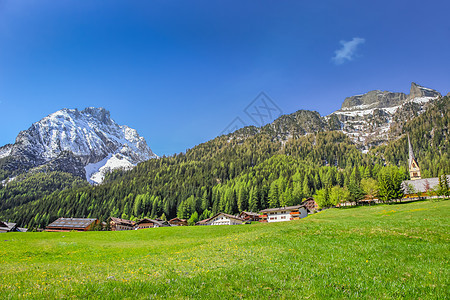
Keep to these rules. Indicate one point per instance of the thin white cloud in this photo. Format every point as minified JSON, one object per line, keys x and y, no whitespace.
{"x":348,"y":50}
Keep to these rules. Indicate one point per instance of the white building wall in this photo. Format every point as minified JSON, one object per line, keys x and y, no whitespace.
{"x":284,"y":215}
{"x":223,"y":220}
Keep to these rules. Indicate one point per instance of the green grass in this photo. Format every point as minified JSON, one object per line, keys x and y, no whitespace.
{"x":386,"y":251}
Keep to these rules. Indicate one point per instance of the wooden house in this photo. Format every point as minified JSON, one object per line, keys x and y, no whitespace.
{"x":150,"y":223}
{"x":249,"y":216}
{"x":310,"y":204}
{"x":72,"y":224}
{"x":286,"y":213}
{"x":178,"y":222}
{"x":222,"y":219}
{"x":121,"y":224}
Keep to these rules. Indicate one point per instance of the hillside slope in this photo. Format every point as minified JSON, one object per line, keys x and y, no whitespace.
{"x":380,"y":252}
{"x":228,"y":172}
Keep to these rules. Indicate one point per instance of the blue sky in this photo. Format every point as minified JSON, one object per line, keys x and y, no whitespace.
{"x":181,"y":71}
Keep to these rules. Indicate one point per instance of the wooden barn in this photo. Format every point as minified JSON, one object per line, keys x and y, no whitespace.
{"x":72,"y":224}
{"x":121,"y":224}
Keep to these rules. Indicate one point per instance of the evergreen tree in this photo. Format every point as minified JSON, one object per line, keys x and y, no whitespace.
{"x":274,"y":195}
{"x":253,"y":200}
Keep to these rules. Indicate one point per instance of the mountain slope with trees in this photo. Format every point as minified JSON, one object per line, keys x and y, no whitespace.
{"x":249,"y":169}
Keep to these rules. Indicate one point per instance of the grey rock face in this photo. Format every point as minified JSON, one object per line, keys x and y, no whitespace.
{"x":369,"y":118}
{"x":374,"y":99}
{"x":420,"y":91}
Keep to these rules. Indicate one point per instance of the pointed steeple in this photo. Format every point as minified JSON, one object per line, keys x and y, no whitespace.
{"x":411,"y":153}
{"x":414,"y":170}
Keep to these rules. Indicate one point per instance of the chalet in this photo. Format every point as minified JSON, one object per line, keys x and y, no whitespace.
{"x":286,"y":213}
{"x":72,"y":224}
{"x":178,"y":222}
{"x":10,"y":227}
{"x":121,"y":224}
{"x":310,"y":204}
{"x":150,"y":223}
{"x":249,"y":216}
{"x":222,"y":219}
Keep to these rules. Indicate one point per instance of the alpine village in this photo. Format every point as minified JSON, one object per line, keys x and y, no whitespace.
{"x":296,"y":166}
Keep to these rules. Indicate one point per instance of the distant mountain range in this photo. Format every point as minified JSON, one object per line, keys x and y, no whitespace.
{"x":369,"y":119}
{"x":89,"y":143}
{"x":279,"y":164}
{"x":86,"y":143}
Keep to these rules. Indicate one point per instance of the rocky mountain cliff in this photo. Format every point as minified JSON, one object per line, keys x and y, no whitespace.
{"x":86,"y":143}
{"x":371,"y":118}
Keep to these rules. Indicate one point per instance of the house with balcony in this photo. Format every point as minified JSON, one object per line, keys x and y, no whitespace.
{"x":118,"y":224}
{"x":222,"y":219}
{"x":286,"y":213}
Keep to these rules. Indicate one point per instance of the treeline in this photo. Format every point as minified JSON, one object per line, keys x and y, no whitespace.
{"x":163,"y":185}
{"x":23,"y":189}
{"x":246,"y":170}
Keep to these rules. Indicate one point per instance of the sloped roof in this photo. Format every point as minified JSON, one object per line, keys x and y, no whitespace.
{"x":177,"y":219}
{"x":249,"y":213}
{"x":123,"y":221}
{"x":71,"y":223}
{"x":160,"y":223}
{"x":419,"y":185}
{"x":226,"y":215}
{"x":7,"y":226}
{"x":282,"y":208}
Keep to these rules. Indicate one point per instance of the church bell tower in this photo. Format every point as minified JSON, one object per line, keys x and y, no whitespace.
{"x":414,"y":170}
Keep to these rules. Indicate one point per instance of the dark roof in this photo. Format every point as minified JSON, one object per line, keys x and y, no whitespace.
{"x":123,"y":221}
{"x":282,"y":208}
{"x":72,"y":223}
{"x":160,"y":223}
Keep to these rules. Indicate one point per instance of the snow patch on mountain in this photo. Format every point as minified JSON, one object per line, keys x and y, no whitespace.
{"x":5,"y":150}
{"x":95,"y":172}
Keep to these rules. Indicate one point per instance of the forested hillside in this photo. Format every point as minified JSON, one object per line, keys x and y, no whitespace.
{"x":252,"y":169}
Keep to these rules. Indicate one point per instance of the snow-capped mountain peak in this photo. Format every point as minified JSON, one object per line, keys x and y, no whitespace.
{"x":89,"y":135}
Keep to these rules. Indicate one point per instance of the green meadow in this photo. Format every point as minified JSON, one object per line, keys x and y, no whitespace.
{"x":378,"y":252}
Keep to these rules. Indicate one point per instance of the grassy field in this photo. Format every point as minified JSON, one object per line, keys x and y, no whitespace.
{"x":385,"y":251}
